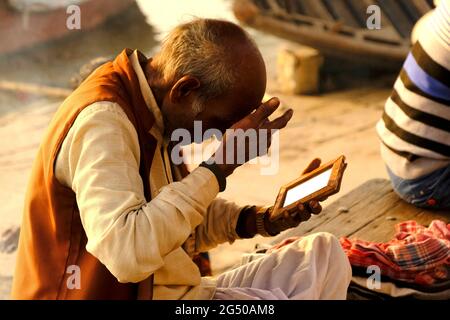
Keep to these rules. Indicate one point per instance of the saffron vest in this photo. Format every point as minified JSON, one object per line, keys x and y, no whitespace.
{"x":52,"y":238}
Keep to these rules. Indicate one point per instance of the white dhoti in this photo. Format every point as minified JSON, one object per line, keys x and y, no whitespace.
{"x":312,"y":267}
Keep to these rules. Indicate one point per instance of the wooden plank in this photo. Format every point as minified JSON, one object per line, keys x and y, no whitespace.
{"x":426,"y":216}
{"x":397,"y":17}
{"x":358,"y":10}
{"x":359,"y":216}
{"x":261,"y":4}
{"x":275,"y":6}
{"x":410,"y":10}
{"x":422,"y":6}
{"x":330,"y":37}
{"x":373,"y":211}
{"x":341,"y":12}
{"x":293,"y":6}
{"x":316,"y":9}
{"x":383,"y":228}
{"x":334,"y":43}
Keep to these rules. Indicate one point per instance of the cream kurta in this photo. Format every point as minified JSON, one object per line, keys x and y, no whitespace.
{"x":99,"y":160}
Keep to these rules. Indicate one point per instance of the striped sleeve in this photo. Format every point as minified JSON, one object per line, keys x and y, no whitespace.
{"x":416,"y":117}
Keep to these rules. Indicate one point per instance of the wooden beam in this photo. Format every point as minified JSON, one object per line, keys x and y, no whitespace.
{"x":317,"y":9}
{"x":342,"y":13}
{"x":422,"y":6}
{"x":398,"y":18}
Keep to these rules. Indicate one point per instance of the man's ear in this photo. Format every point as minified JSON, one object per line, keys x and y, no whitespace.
{"x":183,"y":87}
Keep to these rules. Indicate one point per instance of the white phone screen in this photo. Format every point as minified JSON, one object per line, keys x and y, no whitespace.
{"x":306,"y":188}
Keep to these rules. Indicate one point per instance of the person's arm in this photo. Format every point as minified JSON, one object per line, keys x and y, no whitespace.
{"x":128,"y":235}
{"x":218,"y":226}
{"x":251,"y":220}
{"x":225,"y":221}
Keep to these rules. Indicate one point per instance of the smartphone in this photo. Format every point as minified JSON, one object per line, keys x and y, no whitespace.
{"x":315,"y":185}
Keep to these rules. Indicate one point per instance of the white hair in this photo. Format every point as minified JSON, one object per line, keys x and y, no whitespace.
{"x":197,"y":48}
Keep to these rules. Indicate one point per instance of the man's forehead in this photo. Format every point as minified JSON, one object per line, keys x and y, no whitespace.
{"x":243,"y":106}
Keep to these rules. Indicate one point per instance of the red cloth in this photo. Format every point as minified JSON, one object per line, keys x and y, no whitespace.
{"x":416,"y":254}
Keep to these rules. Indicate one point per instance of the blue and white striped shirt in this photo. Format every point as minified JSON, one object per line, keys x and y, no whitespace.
{"x":415,"y":126}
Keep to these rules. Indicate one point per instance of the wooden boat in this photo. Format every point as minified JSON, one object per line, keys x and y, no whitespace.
{"x":338,"y":27}
{"x":24,"y":29}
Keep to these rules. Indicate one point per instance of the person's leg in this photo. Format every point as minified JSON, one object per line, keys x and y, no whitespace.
{"x":431,"y":191}
{"x":313,"y":267}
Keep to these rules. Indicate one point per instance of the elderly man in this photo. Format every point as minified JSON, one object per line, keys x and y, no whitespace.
{"x":109,"y":216}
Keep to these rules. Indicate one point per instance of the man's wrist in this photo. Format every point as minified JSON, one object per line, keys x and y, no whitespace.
{"x":246,"y":224}
{"x":226,"y":168}
{"x":218,"y":173}
{"x":262,"y":222}
{"x":254,"y":220}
